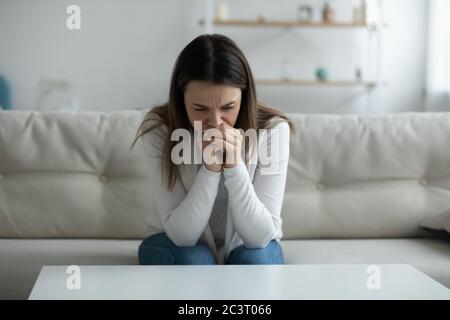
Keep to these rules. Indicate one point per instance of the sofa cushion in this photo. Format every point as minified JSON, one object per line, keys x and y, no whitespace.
{"x":431,"y":256}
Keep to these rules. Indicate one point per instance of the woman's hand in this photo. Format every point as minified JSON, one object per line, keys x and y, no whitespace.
{"x":232,"y":143}
{"x":221,"y":150}
{"x":212,"y":151}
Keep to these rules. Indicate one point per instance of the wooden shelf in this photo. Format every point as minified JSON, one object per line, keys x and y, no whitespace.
{"x":290,"y":24}
{"x":331,"y":83}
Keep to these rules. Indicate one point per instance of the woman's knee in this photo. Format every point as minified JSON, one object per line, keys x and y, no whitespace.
{"x":159,"y":249}
{"x":271,"y":254}
{"x":160,"y":239}
{"x":156,"y":249}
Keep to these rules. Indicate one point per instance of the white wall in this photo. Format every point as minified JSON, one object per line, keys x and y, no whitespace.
{"x":123,"y":56}
{"x":404,"y":54}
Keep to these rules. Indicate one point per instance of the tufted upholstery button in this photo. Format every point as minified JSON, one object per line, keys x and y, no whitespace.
{"x":103,"y":178}
{"x":423,"y":182}
{"x":320,"y":186}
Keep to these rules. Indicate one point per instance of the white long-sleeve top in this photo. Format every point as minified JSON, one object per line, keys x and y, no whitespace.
{"x":255,"y":195}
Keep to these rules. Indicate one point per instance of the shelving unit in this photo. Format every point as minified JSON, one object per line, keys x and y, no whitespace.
{"x":371,"y":86}
{"x":289,"y":24}
{"x":331,"y":83}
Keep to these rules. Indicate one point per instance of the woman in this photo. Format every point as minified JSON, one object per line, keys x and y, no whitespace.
{"x":226,"y":210}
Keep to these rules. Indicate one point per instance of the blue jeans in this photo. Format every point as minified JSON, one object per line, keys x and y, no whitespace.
{"x":159,"y":249}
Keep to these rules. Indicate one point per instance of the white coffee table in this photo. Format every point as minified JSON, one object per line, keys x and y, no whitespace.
{"x":238,"y":282}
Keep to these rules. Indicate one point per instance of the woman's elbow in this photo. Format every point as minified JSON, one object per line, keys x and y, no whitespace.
{"x":261,"y":240}
{"x":257,"y":242}
{"x":182,"y":239}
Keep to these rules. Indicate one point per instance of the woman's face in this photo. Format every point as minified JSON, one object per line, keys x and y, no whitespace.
{"x":212,"y":104}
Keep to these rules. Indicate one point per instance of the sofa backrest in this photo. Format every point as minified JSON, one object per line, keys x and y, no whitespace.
{"x":366,"y":176}
{"x":72,"y":175}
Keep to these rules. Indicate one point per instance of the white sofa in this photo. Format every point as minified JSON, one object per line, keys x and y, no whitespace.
{"x":358,"y":188}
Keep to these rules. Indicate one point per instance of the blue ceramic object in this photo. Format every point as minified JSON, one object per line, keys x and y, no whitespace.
{"x":5,"y":94}
{"x":321,"y":74}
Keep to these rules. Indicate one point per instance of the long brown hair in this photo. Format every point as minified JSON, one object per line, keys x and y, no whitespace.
{"x":216,"y":59}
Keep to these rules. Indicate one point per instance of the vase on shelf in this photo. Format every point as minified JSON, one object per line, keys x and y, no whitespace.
{"x":328,"y":13}
{"x":360,"y":13}
{"x":321,"y":74}
{"x":304,"y":14}
{"x":222,"y":11}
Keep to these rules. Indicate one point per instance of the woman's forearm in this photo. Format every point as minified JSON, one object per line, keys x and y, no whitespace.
{"x":255,"y":224}
{"x":186,"y":223}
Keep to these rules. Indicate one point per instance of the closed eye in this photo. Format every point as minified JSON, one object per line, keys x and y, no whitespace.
{"x":227,"y":106}
{"x":203,"y":109}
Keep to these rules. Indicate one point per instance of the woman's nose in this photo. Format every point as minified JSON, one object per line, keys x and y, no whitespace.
{"x":215,"y":121}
